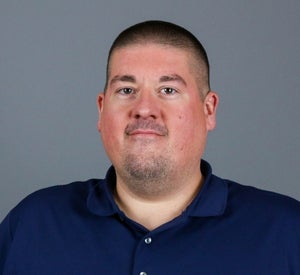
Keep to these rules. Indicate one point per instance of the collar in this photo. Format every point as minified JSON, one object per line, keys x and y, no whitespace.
{"x":210,"y":201}
{"x":212,"y":198}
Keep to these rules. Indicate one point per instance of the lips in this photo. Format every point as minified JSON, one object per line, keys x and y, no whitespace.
{"x":146,"y":127}
{"x":144,"y":132}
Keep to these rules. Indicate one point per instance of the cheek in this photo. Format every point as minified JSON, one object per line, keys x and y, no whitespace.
{"x":111,"y":117}
{"x":111,"y":134}
{"x":190,"y":130}
{"x":182,"y":130}
{"x":109,"y":127}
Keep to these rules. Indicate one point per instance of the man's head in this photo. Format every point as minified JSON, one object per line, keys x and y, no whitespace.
{"x":167,"y":34}
{"x":152,"y":118}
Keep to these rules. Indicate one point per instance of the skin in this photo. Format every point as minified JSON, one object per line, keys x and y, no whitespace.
{"x":154,"y":125}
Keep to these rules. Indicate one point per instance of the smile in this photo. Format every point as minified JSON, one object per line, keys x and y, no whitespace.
{"x":146,"y":132}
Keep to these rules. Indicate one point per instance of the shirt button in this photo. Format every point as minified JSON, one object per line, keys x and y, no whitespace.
{"x":143,"y":273}
{"x":147,"y":241}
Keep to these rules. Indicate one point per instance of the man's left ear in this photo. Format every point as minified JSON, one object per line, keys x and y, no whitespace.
{"x":211,"y":102}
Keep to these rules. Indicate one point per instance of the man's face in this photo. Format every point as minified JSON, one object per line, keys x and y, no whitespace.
{"x":152,"y":119}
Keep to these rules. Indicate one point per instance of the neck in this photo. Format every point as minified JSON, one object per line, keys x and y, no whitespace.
{"x":153,"y":211}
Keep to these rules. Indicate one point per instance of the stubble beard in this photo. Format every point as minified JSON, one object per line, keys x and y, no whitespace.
{"x":148,"y":176}
{"x":146,"y":171}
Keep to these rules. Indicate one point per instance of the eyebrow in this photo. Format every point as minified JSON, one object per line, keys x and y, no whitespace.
{"x":123,"y":78}
{"x":172,"y":77}
{"x":132,"y":79}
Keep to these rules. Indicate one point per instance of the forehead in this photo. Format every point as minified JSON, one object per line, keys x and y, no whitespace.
{"x":149,"y":55}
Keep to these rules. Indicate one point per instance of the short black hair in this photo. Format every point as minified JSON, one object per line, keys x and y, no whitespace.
{"x":163,"y":33}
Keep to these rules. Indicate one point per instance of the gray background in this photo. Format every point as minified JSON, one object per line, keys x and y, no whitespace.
{"x":53,"y":54}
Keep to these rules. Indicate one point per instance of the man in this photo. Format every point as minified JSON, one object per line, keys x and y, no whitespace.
{"x":160,"y":210}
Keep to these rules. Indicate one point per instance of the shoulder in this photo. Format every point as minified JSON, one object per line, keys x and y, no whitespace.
{"x":262,"y":204}
{"x":60,"y":194}
{"x":53,"y":202}
{"x":246,"y":192}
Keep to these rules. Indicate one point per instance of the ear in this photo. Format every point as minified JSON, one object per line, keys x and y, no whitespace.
{"x":100,"y":104}
{"x":211,"y":102}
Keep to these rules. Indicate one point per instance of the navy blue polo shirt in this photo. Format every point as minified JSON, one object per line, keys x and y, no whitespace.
{"x":78,"y":229}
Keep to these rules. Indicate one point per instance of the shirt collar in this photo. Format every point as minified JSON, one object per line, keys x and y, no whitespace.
{"x":210,"y":201}
{"x":100,"y":199}
{"x":212,"y":198}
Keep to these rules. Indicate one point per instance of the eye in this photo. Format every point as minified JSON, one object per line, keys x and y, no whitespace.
{"x":168,"y":91}
{"x":125,"y":91}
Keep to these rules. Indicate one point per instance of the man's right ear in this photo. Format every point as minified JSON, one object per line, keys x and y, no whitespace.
{"x":100,"y":100}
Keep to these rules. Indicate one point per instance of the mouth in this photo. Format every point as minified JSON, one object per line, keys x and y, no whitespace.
{"x":145,"y":132}
{"x":146,"y":128}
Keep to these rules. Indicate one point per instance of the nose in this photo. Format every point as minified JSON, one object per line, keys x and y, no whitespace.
{"x":146,"y":106}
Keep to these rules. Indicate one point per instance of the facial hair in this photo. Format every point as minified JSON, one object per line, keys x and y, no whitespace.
{"x":148,"y":175}
{"x":145,"y":170}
